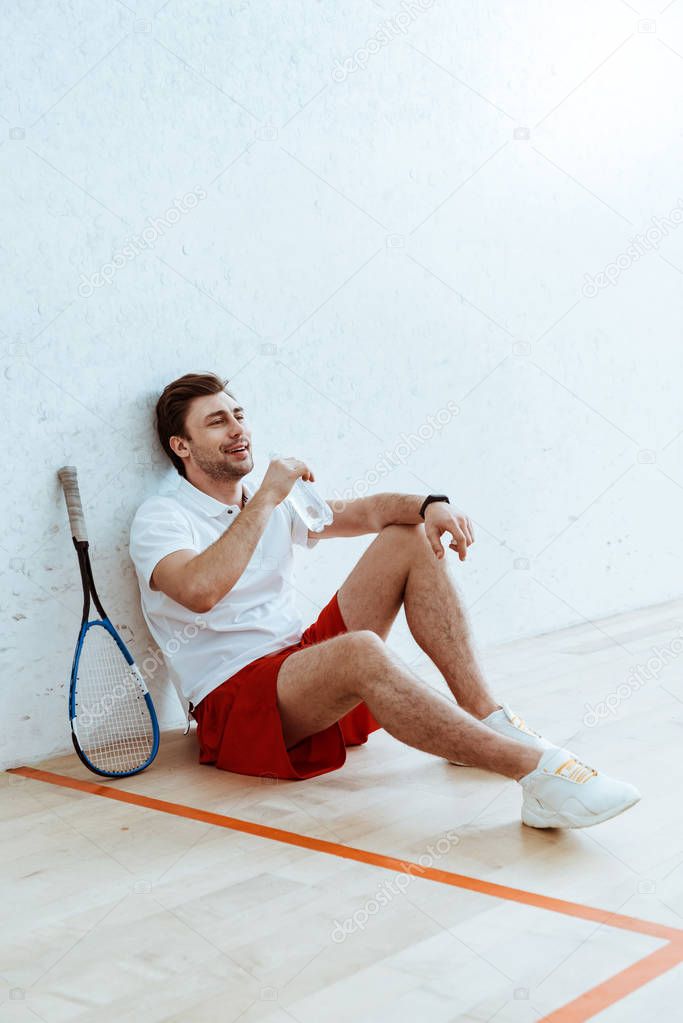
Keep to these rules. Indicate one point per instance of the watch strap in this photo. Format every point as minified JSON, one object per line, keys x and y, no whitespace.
{"x":430,"y":500}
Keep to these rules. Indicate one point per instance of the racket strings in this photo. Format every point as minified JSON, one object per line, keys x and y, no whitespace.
{"x":113,"y":725}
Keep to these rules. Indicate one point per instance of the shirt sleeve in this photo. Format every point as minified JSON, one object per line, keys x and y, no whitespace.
{"x":299,"y":527}
{"x":159,"y":528}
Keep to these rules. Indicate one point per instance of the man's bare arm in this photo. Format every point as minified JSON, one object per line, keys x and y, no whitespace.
{"x":370,"y":514}
{"x":198,"y":581}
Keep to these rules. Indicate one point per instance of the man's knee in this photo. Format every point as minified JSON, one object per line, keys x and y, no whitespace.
{"x":366,"y":661}
{"x":411,"y":537}
{"x":363,"y":643}
{"x":403,"y":532}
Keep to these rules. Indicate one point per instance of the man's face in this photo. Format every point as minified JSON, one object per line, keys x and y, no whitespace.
{"x":215,"y":424}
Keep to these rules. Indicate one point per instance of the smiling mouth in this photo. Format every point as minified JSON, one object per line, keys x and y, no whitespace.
{"x":238,"y":450}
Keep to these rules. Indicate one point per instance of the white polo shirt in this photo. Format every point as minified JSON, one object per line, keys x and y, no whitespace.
{"x":257,"y":616}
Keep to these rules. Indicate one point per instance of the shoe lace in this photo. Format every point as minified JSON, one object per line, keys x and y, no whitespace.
{"x":520,"y":723}
{"x":575,"y":770}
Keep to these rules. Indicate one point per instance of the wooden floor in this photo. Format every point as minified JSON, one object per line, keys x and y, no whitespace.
{"x":143,"y":911}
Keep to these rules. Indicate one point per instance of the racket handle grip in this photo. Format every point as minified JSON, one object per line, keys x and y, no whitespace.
{"x":68,"y":477}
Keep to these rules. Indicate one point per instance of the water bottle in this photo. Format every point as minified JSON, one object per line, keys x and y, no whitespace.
{"x":308,"y":502}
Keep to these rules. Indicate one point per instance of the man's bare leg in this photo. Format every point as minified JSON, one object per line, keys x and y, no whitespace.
{"x":317,"y":685}
{"x":399,"y":567}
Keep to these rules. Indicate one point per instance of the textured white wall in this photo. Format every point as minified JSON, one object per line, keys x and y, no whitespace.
{"x":396,"y":206}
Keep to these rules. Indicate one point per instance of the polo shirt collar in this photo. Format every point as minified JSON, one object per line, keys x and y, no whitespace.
{"x":196,"y":499}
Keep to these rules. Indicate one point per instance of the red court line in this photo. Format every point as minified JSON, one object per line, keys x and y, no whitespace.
{"x":581,"y":1009}
{"x":619,"y":986}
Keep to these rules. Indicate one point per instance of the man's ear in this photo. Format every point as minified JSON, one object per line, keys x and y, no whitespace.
{"x":179,"y":446}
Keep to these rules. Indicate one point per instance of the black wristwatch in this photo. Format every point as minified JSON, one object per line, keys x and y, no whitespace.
{"x":430,"y":500}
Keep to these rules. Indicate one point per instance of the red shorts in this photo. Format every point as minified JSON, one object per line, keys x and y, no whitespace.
{"x":239,"y":727}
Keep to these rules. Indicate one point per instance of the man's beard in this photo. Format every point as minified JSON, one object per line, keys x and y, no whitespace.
{"x":221,"y":471}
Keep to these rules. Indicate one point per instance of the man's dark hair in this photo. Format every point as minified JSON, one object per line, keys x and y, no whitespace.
{"x":171,"y":409}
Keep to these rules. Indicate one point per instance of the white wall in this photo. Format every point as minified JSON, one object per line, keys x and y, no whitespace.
{"x":401,"y":205}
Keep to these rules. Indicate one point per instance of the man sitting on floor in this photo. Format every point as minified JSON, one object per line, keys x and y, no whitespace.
{"x":270,"y":698}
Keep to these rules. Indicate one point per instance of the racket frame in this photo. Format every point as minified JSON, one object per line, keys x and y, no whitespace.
{"x":82,"y":545}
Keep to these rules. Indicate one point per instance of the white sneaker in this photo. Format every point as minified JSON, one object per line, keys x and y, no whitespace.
{"x":506,"y":722}
{"x":563,"y":792}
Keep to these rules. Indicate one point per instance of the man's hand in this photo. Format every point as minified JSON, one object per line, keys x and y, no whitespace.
{"x":281,"y":475}
{"x":444,"y":518}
